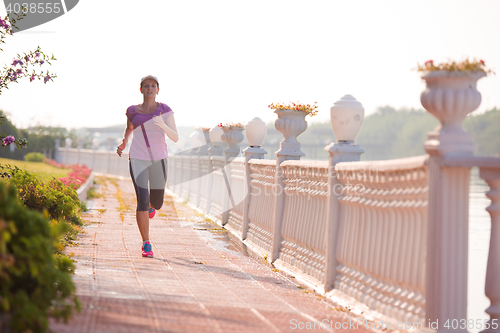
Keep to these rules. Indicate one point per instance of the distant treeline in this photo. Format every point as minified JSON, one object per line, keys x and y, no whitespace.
{"x":386,"y":134}
{"x":40,"y":139}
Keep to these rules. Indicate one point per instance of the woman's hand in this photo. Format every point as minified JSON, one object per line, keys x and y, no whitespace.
{"x":120,"y":148}
{"x":169,"y":127}
{"x":159,"y":121}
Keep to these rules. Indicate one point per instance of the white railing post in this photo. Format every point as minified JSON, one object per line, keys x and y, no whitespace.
{"x":68,"y":143}
{"x":232,"y":136}
{"x":450,"y":97}
{"x":291,"y":124}
{"x":192,"y":180}
{"x":215,"y":134}
{"x":56,"y":149}
{"x":108,"y":161}
{"x":202,"y":151}
{"x":177,"y":181}
{"x":197,"y":140}
{"x":95,"y":144}
{"x":349,"y":111}
{"x":79,"y":145}
{"x":492,"y":288}
{"x":256,"y":131}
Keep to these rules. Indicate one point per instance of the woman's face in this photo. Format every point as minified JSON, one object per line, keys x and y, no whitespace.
{"x":149,"y":88}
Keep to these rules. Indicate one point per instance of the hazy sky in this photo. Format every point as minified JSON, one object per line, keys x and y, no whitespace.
{"x":220,"y":61}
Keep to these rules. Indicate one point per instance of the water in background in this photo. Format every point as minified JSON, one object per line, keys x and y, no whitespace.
{"x":479,"y":242}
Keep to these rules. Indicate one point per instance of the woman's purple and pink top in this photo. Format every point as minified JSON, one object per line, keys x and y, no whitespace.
{"x":148,"y":142}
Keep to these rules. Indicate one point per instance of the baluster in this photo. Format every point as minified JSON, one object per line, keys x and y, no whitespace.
{"x":492,"y":287}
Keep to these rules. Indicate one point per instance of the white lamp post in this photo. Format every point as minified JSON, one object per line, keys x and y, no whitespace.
{"x":196,"y":139}
{"x":215,"y":134}
{"x":347,"y":116}
{"x":68,"y":142}
{"x":256,"y":130}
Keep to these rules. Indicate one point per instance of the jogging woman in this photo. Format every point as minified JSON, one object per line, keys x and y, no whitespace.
{"x":149,"y":122}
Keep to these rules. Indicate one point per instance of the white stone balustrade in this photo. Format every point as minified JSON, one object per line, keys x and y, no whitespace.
{"x":239,"y":190}
{"x":219,"y":188}
{"x":107,"y":162}
{"x":305,"y":195}
{"x":262,"y":205}
{"x":382,"y":237}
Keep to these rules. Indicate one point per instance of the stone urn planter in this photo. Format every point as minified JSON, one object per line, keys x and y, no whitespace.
{"x":232,"y":136}
{"x":291,"y":124}
{"x":450,"y":97}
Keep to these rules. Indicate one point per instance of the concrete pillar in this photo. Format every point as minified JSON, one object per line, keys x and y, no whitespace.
{"x":291,"y":124}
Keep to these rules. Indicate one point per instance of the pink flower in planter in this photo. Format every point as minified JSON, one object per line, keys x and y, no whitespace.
{"x":78,"y":175}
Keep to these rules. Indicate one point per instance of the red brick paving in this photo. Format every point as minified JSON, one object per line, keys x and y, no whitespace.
{"x":193,"y":284}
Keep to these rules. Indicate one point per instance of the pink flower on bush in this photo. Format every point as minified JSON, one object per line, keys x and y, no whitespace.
{"x":8,"y":140}
{"x":4,"y":24}
{"x":76,"y":177}
{"x":67,"y":181}
{"x":55,"y":164}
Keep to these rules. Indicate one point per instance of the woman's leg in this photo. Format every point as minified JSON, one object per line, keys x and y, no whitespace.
{"x":143,"y":224}
{"x":140,"y":175}
{"x":157,"y":182}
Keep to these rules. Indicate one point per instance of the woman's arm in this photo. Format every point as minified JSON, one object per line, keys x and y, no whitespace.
{"x":126,"y":135}
{"x":169,"y":127}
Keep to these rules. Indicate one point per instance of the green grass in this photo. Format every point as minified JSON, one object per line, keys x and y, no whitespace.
{"x":43,"y":171}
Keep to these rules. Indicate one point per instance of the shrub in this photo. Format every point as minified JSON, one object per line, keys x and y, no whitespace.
{"x":77,"y":177}
{"x":35,"y":283}
{"x":60,"y":201}
{"x":34,"y":157}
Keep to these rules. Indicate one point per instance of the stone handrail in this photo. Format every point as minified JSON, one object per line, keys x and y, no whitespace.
{"x":107,"y":162}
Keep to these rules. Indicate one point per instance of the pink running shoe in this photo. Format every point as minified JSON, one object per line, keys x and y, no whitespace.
{"x":151,"y":212}
{"x":146,"y":250}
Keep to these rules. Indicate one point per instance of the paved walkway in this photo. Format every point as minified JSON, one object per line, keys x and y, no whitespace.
{"x":197,"y":282}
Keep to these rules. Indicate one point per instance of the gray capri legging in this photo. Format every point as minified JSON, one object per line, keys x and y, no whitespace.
{"x":149,"y":178}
